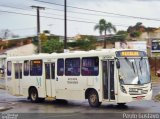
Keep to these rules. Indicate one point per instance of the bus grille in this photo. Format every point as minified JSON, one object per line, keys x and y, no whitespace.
{"x":137,"y":91}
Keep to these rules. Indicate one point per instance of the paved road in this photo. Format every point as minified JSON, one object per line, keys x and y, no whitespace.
{"x":2,"y":83}
{"x":73,"y":109}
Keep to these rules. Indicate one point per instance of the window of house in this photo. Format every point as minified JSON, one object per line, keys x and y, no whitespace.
{"x":90,"y":66}
{"x":72,"y":67}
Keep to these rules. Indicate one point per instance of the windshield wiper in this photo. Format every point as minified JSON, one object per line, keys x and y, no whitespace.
{"x":140,"y":64}
{"x":130,"y":64}
{"x":133,"y":67}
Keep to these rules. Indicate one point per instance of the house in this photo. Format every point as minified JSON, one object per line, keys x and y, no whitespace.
{"x":14,"y":42}
{"x":15,"y":47}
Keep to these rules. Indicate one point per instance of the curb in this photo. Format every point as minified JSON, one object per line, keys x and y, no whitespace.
{"x":155,"y":82}
{"x":2,"y":86}
{"x":5,"y":108}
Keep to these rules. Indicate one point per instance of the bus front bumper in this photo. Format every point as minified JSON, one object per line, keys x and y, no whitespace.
{"x":124,"y":98}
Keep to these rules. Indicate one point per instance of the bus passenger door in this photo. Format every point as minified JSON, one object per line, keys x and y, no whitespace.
{"x":18,"y":78}
{"x":50,"y":79}
{"x":108,"y":79}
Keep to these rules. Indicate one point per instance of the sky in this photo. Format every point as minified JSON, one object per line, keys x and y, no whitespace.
{"x":53,"y":15}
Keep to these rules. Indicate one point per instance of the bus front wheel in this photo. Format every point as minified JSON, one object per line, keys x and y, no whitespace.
{"x":34,"y":95}
{"x":93,"y":99}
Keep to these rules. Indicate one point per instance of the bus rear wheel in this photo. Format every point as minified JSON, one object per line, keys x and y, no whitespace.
{"x":93,"y":99}
{"x":34,"y":95}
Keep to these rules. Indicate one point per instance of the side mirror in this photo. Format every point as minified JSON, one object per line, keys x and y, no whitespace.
{"x":118,"y":64}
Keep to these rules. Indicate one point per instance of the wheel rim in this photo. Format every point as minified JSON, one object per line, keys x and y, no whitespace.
{"x":93,"y":98}
{"x":33,"y":96}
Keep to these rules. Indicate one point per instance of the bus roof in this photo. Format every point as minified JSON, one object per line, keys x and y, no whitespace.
{"x":102,"y":52}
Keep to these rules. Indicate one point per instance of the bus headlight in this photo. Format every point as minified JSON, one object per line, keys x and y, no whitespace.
{"x":123,"y":89}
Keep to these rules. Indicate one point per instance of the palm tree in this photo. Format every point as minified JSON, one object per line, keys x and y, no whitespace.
{"x":100,"y":26}
{"x":105,"y":27}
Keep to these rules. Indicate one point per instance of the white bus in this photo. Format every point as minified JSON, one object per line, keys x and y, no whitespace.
{"x":116,"y":76}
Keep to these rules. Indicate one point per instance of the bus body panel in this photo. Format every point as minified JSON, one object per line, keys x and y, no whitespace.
{"x":37,"y":82}
{"x":75,"y":87}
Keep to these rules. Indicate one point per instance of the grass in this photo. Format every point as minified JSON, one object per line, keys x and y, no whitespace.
{"x":157,"y":98}
{"x":154,"y":78}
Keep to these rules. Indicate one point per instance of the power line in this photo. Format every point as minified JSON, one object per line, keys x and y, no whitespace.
{"x":61,"y":11}
{"x":68,"y":16}
{"x":14,"y":7}
{"x":56,"y":18}
{"x":17,"y":13}
{"x":84,"y":13}
{"x":29,"y":28}
{"x":50,"y":13}
{"x":92,"y":10}
{"x":42,"y":12}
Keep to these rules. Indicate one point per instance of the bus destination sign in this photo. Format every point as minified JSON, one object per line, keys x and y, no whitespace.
{"x":130,"y":54}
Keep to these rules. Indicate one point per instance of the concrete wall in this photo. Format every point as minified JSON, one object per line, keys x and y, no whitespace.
{"x":2,"y":60}
{"x":139,"y":45}
{"x":149,"y":35}
{"x":28,"y":49}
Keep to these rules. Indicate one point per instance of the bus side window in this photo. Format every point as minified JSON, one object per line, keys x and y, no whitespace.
{"x":90,"y":66}
{"x":9,"y":68}
{"x":72,"y":67}
{"x":26,"y":68}
{"x":18,"y":70}
{"x":60,"y":67}
{"x":36,"y":67}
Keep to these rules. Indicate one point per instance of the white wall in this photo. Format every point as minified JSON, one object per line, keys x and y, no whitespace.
{"x":28,"y":49}
{"x":138,"y":45}
{"x":2,"y":60}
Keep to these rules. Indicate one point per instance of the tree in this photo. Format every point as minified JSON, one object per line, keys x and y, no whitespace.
{"x":6,"y":33}
{"x":105,"y":27}
{"x":43,"y":38}
{"x":100,"y":26}
{"x":52,"y":45}
{"x":136,"y":30}
{"x":46,"y":31}
{"x":87,"y":43}
{"x":121,"y":35}
{"x":109,"y":27}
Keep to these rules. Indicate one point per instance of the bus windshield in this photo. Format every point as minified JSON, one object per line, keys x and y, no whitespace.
{"x":134,"y":71}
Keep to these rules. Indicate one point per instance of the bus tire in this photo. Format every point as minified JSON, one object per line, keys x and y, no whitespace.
{"x":33,"y":94}
{"x":93,"y":99}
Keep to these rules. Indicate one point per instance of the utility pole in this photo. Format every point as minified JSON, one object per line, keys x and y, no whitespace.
{"x":65,"y":25}
{"x":38,"y":26}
